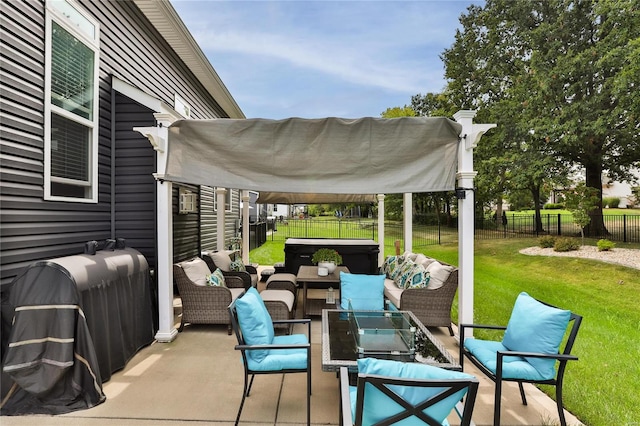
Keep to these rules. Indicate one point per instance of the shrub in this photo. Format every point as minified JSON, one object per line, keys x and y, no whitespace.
{"x":611,"y":202}
{"x":553,"y":206}
{"x":566,"y":244}
{"x":605,"y":245}
{"x":547,"y":241}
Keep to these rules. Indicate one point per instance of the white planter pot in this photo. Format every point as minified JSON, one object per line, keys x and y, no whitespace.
{"x":331,"y":266}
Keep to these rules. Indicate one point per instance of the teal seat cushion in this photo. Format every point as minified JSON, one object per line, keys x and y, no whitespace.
{"x":377,"y":406}
{"x":536,"y":327}
{"x":255,"y":323}
{"x":366,"y":292}
{"x":512,"y":367}
{"x":282,"y":359}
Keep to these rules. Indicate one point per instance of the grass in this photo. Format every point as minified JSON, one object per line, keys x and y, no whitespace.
{"x":602,"y":387}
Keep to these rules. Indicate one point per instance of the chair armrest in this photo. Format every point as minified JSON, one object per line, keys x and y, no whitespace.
{"x":462,"y":327}
{"x":263,"y":347}
{"x":244,"y":276}
{"x":345,"y":400}
{"x":297,"y":321}
{"x":559,"y":357}
{"x":489,"y":327}
{"x":250,"y":269}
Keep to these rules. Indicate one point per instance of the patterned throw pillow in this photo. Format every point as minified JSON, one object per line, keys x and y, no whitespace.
{"x":391,"y":266}
{"x":216,"y":279}
{"x":403,"y":272}
{"x":418,"y":277}
{"x":238,"y":266}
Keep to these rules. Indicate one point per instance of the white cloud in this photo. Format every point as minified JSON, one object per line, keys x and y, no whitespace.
{"x":307,"y":58}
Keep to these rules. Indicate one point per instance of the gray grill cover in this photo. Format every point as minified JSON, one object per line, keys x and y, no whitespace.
{"x":77,"y":319}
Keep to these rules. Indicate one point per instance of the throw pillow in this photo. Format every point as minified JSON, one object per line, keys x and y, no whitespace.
{"x":439,"y":274}
{"x":418,"y":277}
{"x":405,"y":270}
{"x":237,"y":266}
{"x":536,"y":327}
{"x":197,"y":270}
{"x":366,"y":292}
{"x":423,"y":260}
{"x":222,"y":260}
{"x":216,"y":279}
{"x":391,"y":266}
{"x":378,"y":406}
{"x":255,"y":322}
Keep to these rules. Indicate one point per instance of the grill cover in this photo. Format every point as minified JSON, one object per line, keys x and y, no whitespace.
{"x":77,"y":319}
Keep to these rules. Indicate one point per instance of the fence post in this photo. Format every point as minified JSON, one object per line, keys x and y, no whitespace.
{"x":559,"y":224}
{"x":624,"y":228}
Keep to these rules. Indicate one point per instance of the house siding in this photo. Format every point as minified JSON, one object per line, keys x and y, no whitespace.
{"x":132,"y":50}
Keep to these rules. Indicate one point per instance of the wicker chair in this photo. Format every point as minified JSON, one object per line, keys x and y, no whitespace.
{"x":250,"y":276}
{"x":432,"y":306}
{"x":206,"y":304}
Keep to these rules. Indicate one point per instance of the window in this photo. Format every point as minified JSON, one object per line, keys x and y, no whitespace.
{"x":188,"y":202}
{"x":227,"y":200}
{"x":71,"y":110}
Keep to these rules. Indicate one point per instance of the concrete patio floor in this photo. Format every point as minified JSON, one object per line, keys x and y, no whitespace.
{"x":198,"y":379}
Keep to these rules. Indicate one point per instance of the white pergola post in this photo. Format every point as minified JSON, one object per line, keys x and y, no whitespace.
{"x":407,"y":210}
{"x":245,"y":227}
{"x":381,"y":228}
{"x":471,"y":133}
{"x":158,"y":136}
{"x":220,"y":201}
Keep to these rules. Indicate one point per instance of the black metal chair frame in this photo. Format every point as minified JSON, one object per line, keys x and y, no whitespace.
{"x":562,"y":358}
{"x":243,"y":347}
{"x":382,"y":383}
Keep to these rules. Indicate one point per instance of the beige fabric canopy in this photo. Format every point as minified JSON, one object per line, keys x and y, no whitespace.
{"x":300,"y":198}
{"x":316,"y":156}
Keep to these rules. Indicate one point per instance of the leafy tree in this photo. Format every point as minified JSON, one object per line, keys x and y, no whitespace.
{"x":395,"y":112}
{"x":580,"y":202}
{"x":568,"y":70}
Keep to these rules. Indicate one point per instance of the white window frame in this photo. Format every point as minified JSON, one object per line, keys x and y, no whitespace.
{"x":227,"y":201}
{"x":86,"y":29}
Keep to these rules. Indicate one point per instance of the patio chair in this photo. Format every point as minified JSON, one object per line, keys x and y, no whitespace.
{"x":222,"y":260}
{"x":529,"y":350}
{"x":262,"y":351}
{"x":203,"y":304}
{"x":389,"y":392}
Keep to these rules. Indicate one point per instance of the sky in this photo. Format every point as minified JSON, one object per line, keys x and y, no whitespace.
{"x":314,"y":59}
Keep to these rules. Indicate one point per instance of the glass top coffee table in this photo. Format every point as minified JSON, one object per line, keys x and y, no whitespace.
{"x":350,"y":335}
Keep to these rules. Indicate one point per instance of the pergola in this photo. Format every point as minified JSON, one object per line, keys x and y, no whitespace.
{"x":327,"y":158}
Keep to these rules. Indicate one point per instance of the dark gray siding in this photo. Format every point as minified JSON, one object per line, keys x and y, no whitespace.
{"x":209,"y":218}
{"x":134,"y":187}
{"x":130,"y":49}
{"x":186,"y":235}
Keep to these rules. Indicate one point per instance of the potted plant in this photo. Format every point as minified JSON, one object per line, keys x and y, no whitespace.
{"x":327,"y":258}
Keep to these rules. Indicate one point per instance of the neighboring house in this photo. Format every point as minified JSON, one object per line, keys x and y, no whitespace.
{"x":621,"y":190}
{"x":77,"y":78}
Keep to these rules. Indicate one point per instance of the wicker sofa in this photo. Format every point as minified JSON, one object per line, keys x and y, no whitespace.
{"x":203,"y":304}
{"x":431,"y":304}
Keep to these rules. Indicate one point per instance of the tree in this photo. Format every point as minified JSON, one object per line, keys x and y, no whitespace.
{"x":580,"y":202}
{"x":571,"y":69}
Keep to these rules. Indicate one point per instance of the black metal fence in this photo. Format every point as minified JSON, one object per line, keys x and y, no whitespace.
{"x":621,"y":228}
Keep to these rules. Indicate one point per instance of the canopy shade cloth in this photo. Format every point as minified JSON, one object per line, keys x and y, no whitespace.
{"x":316,"y":156}
{"x":300,"y":198}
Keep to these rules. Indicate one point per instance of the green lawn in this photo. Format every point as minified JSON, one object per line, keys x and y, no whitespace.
{"x":602,"y":387}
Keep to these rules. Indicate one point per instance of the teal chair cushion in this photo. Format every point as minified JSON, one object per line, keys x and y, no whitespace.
{"x":377,"y":406}
{"x":513,"y":367}
{"x":366,"y":292}
{"x":283,"y":359}
{"x":536,"y":327}
{"x":255,"y":322}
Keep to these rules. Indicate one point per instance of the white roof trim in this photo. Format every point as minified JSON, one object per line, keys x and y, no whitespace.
{"x":165,"y":19}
